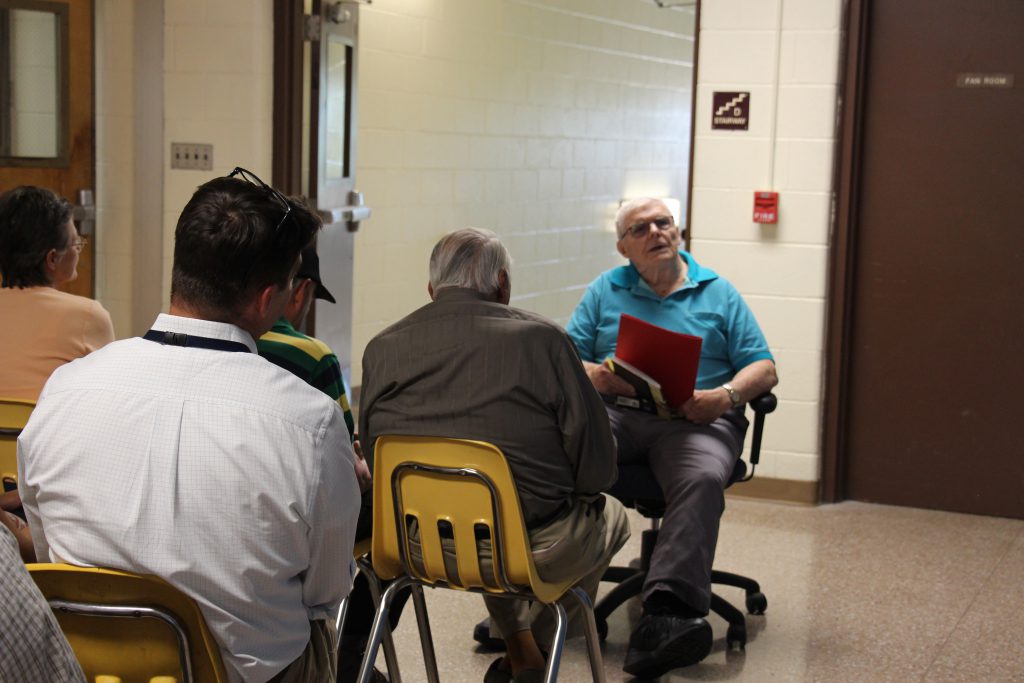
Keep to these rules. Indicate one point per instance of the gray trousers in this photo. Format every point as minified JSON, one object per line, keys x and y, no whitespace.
{"x":316,"y":664}
{"x":692,"y":463}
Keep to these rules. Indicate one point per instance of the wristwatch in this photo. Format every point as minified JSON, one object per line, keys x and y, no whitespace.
{"x":734,"y":396}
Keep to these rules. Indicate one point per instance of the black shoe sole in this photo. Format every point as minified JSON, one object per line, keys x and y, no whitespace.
{"x":482,"y":635}
{"x":684,"y":650}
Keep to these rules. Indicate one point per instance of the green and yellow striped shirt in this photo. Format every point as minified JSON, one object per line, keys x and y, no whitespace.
{"x":310,"y":360}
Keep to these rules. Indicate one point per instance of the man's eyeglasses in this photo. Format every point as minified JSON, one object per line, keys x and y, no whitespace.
{"x":79,"y":243}
{"x":640,"y":229}
{"x":251,"y":177}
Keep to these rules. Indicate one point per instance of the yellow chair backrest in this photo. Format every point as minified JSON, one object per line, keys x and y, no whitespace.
{"x":132,"y":649}
{"x":463,"y":485}
{"x":14,"y":414}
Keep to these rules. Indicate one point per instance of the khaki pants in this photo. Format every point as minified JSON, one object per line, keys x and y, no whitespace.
{"x":580,"y":544}
{"x":316,"y":664}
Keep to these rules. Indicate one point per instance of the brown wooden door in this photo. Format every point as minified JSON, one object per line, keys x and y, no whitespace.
{"x":66,"y":164}
{"x":935,"y":366}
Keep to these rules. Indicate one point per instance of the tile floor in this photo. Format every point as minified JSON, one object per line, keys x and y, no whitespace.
{"x":856,"y":592}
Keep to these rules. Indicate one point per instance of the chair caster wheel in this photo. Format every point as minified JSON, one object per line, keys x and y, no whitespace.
{"x":602,"y":629}
{"x":757,"y":603}
{"x":736,"y":635}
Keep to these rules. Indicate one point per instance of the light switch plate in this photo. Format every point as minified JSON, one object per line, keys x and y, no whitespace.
{"x":192,"y":155}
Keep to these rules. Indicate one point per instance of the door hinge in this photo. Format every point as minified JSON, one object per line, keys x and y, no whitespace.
{"x":312,"y":28}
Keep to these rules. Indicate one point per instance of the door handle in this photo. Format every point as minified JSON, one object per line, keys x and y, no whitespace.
{"x":351,"y":215}
{"x":84,"y":212}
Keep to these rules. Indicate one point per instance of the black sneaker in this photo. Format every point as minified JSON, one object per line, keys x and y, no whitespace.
{"x":662,"y":642}
{"x":376,"y":676}
{"x":482,"y":635}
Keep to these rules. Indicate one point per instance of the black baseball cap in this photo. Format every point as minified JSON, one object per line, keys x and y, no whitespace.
{"x":311,"y":268}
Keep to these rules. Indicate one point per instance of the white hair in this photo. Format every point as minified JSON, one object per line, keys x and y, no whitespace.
{"x":628,"y":208}
{"x":471,"y":258}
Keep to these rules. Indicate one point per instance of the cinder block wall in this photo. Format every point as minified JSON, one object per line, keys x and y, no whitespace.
{"x":785,"y":53}
{"x":115,"y":149}
{"x":532,"y":119}
{"x":218,"y":88}
{"x":217,"y":83}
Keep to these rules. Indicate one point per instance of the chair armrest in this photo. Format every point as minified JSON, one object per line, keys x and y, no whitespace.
{"x":765,"y":403}
{"x":762,"y":405}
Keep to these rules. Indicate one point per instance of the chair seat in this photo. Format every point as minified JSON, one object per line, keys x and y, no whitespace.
{"x":434,"y":500}
{"x":159,"y":631}
{"x":14,"y":414}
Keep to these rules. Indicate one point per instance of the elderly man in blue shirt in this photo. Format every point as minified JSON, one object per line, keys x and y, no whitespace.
{"x":693,"y":454}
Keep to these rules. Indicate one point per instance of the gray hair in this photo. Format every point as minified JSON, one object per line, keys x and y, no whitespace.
{"x":628,"y":208}
{"x":471,"y":258}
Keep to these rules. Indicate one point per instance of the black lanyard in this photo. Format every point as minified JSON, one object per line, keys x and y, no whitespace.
{"x":194,"y":341}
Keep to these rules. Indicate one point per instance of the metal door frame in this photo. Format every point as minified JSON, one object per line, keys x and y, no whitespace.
{"x":845,"y":201}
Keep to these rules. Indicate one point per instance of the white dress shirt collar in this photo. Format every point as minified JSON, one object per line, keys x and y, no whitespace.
{"x":165,"y":322}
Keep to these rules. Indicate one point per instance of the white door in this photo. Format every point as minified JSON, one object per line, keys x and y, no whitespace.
{"x":334,"y":62}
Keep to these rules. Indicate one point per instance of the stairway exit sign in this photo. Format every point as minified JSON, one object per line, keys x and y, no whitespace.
{"x":730,"y":110}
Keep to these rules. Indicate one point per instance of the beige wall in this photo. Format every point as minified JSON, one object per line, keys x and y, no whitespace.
{"x":785,"y":53}
{"x":115,"y":161}
{"x":532,"y":118}
{"x":214,"y":73}
{"x":218,"y":88}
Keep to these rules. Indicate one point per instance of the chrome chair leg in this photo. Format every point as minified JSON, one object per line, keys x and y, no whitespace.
{"x":339,"y":621}
{"x":590,"y":630}
{"x":390,"y":658}
{"x":426,"y":638}
{"x":557,"y":643}
{"x":380,"y":624}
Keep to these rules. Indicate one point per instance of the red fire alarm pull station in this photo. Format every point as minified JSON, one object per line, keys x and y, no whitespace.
{"x":766,"y":207}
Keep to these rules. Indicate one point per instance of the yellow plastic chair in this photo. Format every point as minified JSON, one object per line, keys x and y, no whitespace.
{"x":465,"y":487}
{"x":14,"y":414}
{"x":361,"y":554}
{"x":130,"y":626}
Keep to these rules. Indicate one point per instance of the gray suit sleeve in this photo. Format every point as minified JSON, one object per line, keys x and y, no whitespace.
{"x":365,"y":406}
{"x":586,"y":433}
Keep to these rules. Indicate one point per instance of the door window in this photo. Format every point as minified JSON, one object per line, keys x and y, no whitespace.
{"x":33,"y":83}
{"x":337,"y":115}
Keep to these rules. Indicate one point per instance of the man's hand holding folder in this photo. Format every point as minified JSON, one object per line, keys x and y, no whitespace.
{"x":659,"y":365}
{"x":606,"y":381}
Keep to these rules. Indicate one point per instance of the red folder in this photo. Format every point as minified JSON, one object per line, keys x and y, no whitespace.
{"x":669,"y":357}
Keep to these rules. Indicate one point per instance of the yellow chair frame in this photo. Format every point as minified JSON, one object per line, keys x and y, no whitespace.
{"x":160,"y":630}
{"x":14,"y":414}
{"x":465,"y":486}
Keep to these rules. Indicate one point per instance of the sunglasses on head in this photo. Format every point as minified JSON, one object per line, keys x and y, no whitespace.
{"x":252,"y":178}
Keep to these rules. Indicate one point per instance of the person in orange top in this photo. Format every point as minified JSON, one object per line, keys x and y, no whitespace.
{"x":41,"y":327}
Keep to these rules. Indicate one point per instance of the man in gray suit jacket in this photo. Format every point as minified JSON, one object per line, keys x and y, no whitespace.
{"x":468,"y":365}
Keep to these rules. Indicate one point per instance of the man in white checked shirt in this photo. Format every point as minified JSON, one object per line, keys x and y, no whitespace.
{"x":186,"y":455}
{"x":32,"y":647}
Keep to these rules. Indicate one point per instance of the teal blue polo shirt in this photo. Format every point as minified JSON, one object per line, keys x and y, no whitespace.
{"x":706,"y":306}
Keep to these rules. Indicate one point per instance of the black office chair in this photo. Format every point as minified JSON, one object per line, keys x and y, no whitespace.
{"x":637,"y":488}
